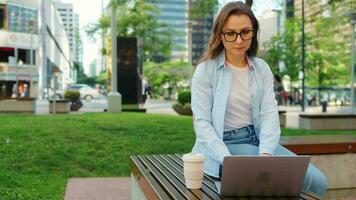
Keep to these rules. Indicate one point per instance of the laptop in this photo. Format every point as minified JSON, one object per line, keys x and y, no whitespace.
{"x":277,"y":176}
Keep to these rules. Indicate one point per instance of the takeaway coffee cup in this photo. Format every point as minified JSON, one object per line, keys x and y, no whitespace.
{"x":193,"y":170}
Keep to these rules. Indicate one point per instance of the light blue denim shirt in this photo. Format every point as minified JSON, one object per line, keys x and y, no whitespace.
{"x":210,"y":90}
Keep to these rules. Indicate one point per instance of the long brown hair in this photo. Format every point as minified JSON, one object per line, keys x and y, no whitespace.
{"x":215,"y":45}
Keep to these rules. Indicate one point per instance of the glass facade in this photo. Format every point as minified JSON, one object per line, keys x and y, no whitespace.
{"x":173,"y":13}
{"x":22,"y":19}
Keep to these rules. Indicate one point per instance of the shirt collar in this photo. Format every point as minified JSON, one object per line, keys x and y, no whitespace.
{"x":221,"y":61}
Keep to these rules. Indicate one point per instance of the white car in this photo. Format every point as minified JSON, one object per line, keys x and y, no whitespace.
{"x":86,"y":92}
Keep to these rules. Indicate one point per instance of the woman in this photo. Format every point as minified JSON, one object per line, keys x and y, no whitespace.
{"x":233,"y":102}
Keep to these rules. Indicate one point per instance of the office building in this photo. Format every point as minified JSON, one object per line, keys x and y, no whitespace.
{"x":70,"y":22}
{"x":33,"y":46}
{"x":174,"y":14}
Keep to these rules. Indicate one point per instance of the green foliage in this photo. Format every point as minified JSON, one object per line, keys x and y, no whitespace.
{"x":101,"y":27}
{"x":184,"y":97}
{"x":141,"y":20}
{"x":286,"y":48}
{"x":203,"y":9}
{"x":40,"y":154}
{"x":326,"y":58}
{"x":92,"y":81}
{"x":138,"y":19}
{"x":102,"y":78}
{"x":72,"y":95}
{"x":327,"y":61}
{"x":171,"y":76}
{"x":82,"y":77}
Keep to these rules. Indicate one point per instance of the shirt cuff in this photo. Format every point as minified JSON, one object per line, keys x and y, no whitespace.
{"x":265,"y":150}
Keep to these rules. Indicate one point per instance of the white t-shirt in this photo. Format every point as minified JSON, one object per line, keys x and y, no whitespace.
{"x":238,"y":109}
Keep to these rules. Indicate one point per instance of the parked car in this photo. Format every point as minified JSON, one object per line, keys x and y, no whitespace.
{"x":86,"y":92}
{"x":59,"y":94}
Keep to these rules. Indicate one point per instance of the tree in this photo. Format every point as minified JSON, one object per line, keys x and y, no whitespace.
{"x":170,"y":76}
{"x":286,"y":48}
{"x":327,"y":59}
{"x":82,"y":77}
{"x":201,"y":9}
{"x":138,"y":19}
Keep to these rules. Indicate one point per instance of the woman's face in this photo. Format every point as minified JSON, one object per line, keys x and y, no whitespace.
{"x":237,"y":34}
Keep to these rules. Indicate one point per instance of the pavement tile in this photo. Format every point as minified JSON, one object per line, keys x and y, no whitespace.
{"x":98,"y":189}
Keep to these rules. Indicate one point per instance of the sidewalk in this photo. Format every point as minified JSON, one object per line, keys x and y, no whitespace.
{"x":292,"y":120}
{"x":98,"y":189}
{"x":155,"y":106}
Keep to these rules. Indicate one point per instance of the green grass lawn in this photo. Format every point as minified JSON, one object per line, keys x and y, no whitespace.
{"x":39,"y":153}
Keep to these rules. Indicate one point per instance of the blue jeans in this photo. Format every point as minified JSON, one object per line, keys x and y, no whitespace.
{"x":244,"y":141}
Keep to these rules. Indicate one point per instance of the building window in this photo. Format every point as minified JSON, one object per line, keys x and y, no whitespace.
{"x":24,"y":56}
{"x":2,"y":16}
{"x":5,"y":53}
{"x":33,"y":57}
{"x":21,"y":17}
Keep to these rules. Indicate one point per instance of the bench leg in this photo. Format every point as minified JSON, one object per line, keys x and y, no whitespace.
{"x":136,"y":191}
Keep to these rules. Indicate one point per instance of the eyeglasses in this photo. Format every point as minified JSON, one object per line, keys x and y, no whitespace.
{"x":231,"y":36}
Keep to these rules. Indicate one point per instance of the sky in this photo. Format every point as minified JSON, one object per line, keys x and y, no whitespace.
{"x":90,"y":11}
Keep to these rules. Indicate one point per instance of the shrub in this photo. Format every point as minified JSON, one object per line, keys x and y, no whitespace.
{"x":184,"y":97}
{"x":71,"y":95}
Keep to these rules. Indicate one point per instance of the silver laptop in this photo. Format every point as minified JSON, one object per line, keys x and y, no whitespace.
{"x":263,"y":175}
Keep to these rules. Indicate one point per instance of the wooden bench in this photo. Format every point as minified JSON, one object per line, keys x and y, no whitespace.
{"x":327,"y":121}
{"x":320,"y":144}
{"x":161,"y":177}
{"x":335,"y":155}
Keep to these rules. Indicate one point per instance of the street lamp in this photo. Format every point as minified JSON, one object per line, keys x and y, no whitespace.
{"x":352,"y":16}
{"x":31,"y":25}
{"x":55,"y":72}
{"x":303,"y":60}
{"x":190,"y":49}
{"x":114,"y":97}
{"x":278,"y":10}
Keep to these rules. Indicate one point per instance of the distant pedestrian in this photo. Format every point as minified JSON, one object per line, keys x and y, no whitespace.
{"x":279,"y":89}
{"x":144,"y":92}
{"x":14,"y":91}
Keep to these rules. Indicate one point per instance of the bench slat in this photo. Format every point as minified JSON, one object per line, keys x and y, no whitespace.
{"x":177,"y":177}
{"x":206,"y":179}
{"x":171,"y":187}
{"x":309,"y":196}
{"x":326,"y":115}
{"x":148,"y":184}
{"x":162,"y":177}
{"x":178,"y":170}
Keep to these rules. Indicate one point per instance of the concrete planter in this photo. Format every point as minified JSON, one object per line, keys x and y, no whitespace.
{"x":62,"y":106}
{"x":282,"y":118}
{"x":17,"y":105}
{"x":327,"y":121}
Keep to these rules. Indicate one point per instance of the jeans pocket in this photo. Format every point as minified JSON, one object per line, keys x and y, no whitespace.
{"x":239,"y":141}
{"x":227,"y":136}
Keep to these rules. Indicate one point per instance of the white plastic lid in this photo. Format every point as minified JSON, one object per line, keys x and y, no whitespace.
{"x":191,"y":157}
